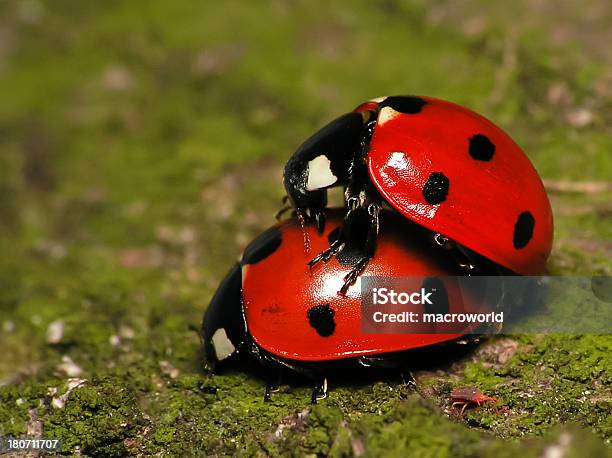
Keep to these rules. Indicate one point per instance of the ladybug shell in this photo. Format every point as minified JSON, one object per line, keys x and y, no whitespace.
{"x":298,"y":313}
{"x":456,"y":173}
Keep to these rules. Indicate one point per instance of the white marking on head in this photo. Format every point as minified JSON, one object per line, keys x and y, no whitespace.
{"x":223,"y":346}
{"x":319,"y":173}
{"x":386,"y":114}
{"x":378,"y":99}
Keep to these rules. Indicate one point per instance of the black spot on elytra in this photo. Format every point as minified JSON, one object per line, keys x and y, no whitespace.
{"x":439,"y":297}
{"x":262,"y":247}
{"x":523,"y":230}
{"x":321,"y":318}
{"x":404,"y":104}
{"x":481,"y":148}
{"x":436,"y":188}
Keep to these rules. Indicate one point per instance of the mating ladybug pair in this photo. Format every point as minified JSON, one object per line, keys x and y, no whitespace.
{"x":466,"y":201}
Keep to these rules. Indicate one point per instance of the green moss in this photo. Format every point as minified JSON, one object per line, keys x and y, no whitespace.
{"x":164,"y":436}
{"x":97,"y":418}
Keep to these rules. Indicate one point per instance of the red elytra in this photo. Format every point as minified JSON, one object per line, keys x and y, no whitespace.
{"x":456,"y":173}
{"x":280,"y":290}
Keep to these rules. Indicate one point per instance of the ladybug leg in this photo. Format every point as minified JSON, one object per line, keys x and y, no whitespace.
{"x":408,"y":379}
{"x":352,"y":276}
{"x":307,"y":215}
{"x":320,"y":391}
{"x":334,"y":248}
{"x":318,"y":215}
{"x":326,"y":255}
{"x":300,"y":217}
{"x":279,"y":214}
{"x":463,"y":408}
{"x":267,"y":391}
{"x":312,"y":215}
{"x":284,"y":209}
{"x":373,"y":210}
{"x":272,"y":386}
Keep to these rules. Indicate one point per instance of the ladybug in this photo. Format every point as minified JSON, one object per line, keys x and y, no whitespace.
{"x":438,"y":164}
{"x":273,"y":309}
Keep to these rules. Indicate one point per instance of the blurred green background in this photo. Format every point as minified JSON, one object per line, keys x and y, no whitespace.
{"x":142,"y":145}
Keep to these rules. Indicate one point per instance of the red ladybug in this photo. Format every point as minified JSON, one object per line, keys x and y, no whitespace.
{"x":275,"y":309}
{"x":438,"y":164}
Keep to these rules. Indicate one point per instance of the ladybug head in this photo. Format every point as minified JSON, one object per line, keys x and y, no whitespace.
{"x":224,"y":329}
